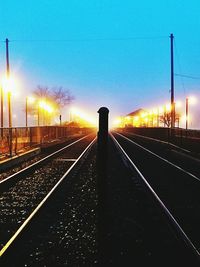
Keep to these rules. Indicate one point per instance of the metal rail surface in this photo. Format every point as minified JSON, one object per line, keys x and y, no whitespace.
{"x":22,"y":228}
{"x":39,"y":162}
{"x":173,"y":222}
{"x":158,"y":141}
{"x":161,"y":158}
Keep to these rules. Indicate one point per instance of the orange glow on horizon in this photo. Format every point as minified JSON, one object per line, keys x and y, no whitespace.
{"x":81,"y":117}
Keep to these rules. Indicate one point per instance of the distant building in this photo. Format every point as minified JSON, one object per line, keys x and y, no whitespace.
{"x":137,"y":118}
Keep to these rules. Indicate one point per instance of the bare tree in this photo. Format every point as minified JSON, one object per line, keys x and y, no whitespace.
{"x":166,"y":119}
{"x":61,"y":96}
{"x":56,"y":96}
{"x":42,"y":92}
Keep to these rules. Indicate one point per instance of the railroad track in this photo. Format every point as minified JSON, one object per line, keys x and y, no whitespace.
{"x":25,"y":193}
{"x":175,"y":189}
{"x":46,"y":150}
{"x":184,"y":158}
{"x":145,"y":218}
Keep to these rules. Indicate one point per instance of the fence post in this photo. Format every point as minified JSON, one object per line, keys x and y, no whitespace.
{"x":10,"y":142}
{"x":16,"y":141}
{"x":30,"y":136}
{"x":102,"y":157}
{"x":103,"y":133}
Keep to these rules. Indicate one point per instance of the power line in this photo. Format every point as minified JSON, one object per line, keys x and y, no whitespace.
{"x":89,"y":39}
{"x":187,"y":76}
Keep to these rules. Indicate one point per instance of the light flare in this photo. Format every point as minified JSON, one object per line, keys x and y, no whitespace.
{"x":80,"y":115}
{"x":10,"y":85}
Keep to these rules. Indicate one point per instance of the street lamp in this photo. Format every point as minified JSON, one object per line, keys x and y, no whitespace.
{"x":6,"y":86}
{"x":186,"y":113}
{"x":8,"y":81}
{"x":177,"y":105}
{"x":191,"y":100}
{"x":2,"y":115}
{"x":9,"y":85}
{"x":30,"y":100}
{"x":1,"y":88}
{"x":46,"y":109}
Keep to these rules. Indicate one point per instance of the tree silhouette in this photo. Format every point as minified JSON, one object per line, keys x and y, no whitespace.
{"x":42,"y":92}
{"x":62,"y":96}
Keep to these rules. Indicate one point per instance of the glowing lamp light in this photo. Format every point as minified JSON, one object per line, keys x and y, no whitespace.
{"x":184,"y":117}
{"x":30,"y":99}
{"x":83,"y":116}
{"x":128,"y":118}
{"x":192,"y":100}
{"x":49,"y":109}
{"x":10,"y":85}
{"x":161,"y":109}
{"x":43,"y":105}
{"x":168,"y":107}
{"x":178,"y":104}
{"x":155,"y":111}
{"x":143,"y":114}
{"x":117,"y":121}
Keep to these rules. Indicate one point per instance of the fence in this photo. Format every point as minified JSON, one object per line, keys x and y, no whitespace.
{"x":189,"y":139}
{"x":14,"y":140}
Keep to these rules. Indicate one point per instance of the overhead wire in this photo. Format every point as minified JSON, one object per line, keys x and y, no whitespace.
{"x":187,"y":76}
{"x":89,"y":39}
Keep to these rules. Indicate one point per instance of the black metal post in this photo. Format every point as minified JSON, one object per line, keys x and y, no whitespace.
{"x":60,"y":118}
{"x":102,"y":158}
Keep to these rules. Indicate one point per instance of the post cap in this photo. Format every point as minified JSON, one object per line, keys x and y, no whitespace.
{"x":103,"y":110}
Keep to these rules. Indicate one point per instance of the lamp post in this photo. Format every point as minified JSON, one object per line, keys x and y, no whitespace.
{"x":30,"y":100}
{"x":38,"y":115}
{"x":1,"y":88}
{"x":1,"y":106}
{"x":186,"y":113}
{"x":26,"y":111}
{"x":189,"y":100}
{"x":9,"y":92}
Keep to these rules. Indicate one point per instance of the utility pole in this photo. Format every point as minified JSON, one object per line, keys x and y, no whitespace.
{"x":9,"y":93}
{"x":172,"y":82}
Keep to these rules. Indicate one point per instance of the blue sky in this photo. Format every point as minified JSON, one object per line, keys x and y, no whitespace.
{"x":108,"y":52}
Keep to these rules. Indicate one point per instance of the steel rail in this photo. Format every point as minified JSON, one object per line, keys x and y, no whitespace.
{"x":45,"y":199}
{"x":41,"y":161}
{"x":161,"y":158}
{"x":167,"y":213}
{"x":159,"y":141}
